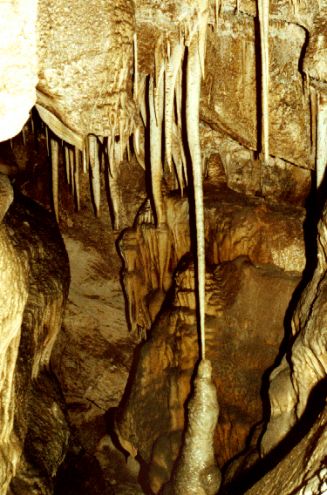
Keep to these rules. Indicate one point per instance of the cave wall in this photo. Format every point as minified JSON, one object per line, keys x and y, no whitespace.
{"x":34,"y":429}
{"x":112,"y":83}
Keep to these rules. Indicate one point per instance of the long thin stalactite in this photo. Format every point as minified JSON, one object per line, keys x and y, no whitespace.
{"x":263,"y":11}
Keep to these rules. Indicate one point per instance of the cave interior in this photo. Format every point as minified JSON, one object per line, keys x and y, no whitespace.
{"x":163,"y":247}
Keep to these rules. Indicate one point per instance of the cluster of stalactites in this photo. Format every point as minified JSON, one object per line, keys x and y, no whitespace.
{"x":162,"y":103}
{"x":94,"y":155}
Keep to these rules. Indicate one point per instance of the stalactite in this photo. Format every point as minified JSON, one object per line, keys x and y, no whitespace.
{"x":24,"y":136}
{"x":173,"y":67}
{"x":54,"y":146}
{"x":141,"y":104}
{"x":47,"y":139}
{"x":95,"y":172}
{"x":121,"y":141}
{"x":158,"y":81}
{"x":164,"y":243}
{"x":263,"y":10}
{"x":155,"y":149}
{"x":76,"y":177}
{"x":85,"y":156}
{"x":313,"y":118}
{"x":321,"y":146}
{"x":136,"y":71}
{"x":112,"y":178}
{"x":193,"y":86}
{"x":72,"y":169}
{"x":66,"y":152}
{"x":217,"y":9}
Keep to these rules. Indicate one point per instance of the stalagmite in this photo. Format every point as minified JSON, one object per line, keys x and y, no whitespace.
{"x":196,"y":472}
{"x":263,"y":10}
{"x":54,"y":145}
{"x":321,"y":146}
{"x":95,"y":172}
{"x":155,"y":150}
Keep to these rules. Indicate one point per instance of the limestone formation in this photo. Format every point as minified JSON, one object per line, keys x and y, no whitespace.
{"x":18,"y":64}
{"x":154,"y":101}
{"x":298,"y":375}
{"x":31,"y":311}
{"x":240,"y":349}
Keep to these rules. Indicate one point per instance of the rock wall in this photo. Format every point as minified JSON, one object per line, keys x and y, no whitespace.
{"x":243,"y":336}
{"x":34,"y":430}
{"x":113,"y":80}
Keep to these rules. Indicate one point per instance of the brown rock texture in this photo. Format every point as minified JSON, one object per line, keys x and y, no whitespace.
{"x":18,"y":64}
{"x":32,"y":409}
{"x":85,"y":56}
{"x":112,"y":81}
{"x":234,"y":226}
{"x":242,"y":340}
{"x":296,"y":377}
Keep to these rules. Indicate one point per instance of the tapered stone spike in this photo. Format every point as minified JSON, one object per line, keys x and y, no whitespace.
{"x":71,"y":169}
{"x":76,"y":177}
{"x":193,"y":86}
{"x":203,"y":16}
{"x":115,"y":193}
{"x":178,"y":156}
{"x":95,"y":172}
{"x":263,"y":10}
{"x":54,"y":147}
{"x":66,"y":152}
{"x":155,"y":153}
{"x":313,"y":118}
{"x":172,"y":70}
{"x":121,"y":141}
{"x":137,"y":149}
{"x":111,"y":155}
{"x":164,"y":244}
{"x":321,"y":147}
{"x":24,"y":136}
{"x":47,"y":139}
{"x":136,"y":72}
